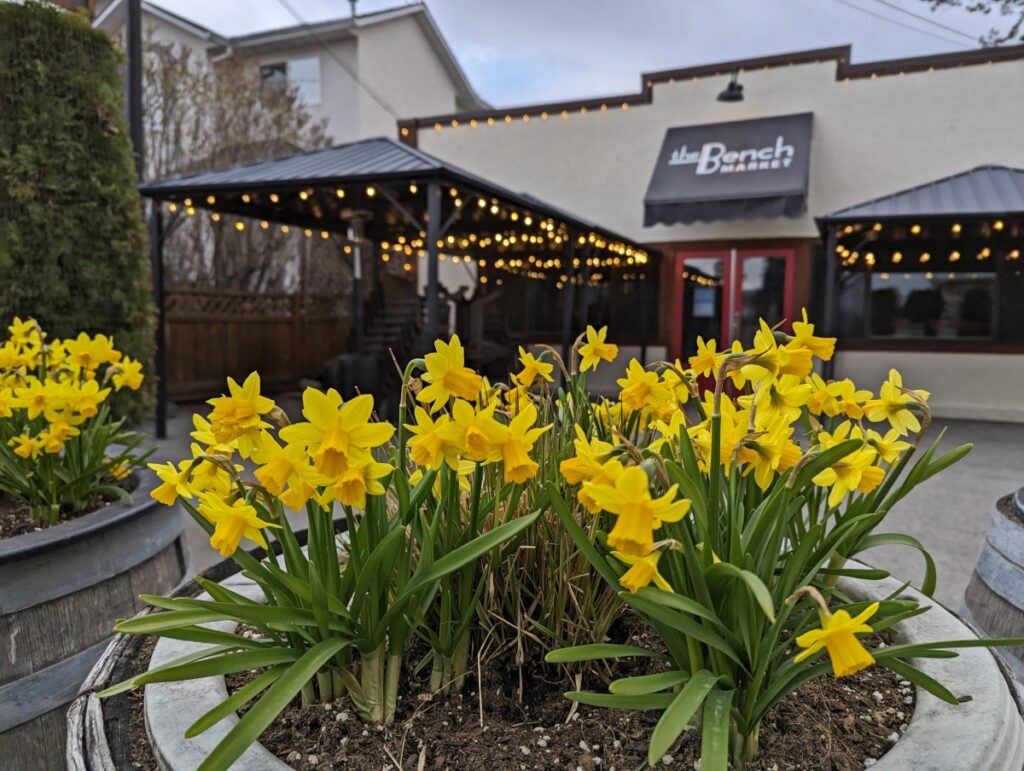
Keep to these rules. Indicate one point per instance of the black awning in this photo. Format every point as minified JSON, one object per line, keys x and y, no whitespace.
{"x":750,"y":169}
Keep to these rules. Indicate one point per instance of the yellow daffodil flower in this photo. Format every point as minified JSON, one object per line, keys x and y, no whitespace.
{"x":55,"y":436}
{"x":518,"y":443}
{"x":638,"y":514}
{"x":282,"y":467}
{"x":533,"y":368}
{"x":356,"y":482}
{"x":854,"y":472}
{"x":803,"y":336}
{"x":769,"y":452}
{"x":596,"y":349}
{"x":238,"y":416}
{"x":232,"y":522}
{"x":888,"y":447}
{"x":26,"y":446}
{"x":642,"y":571}
{"x":838,"y":636}
{"x":427,"y":446}
{"x":127,"y":374}
{"x":784,"y":397}
{"x":447,"y":375}
{"x":87,"y":398}
{"x":642,"y":389}
{"x":7,"y":402}
{"x":175,"y":482}
{"x":24,"y":332}
{"x":707,"y":360}
{"x":475,"y":433}
{"x":339,"y":434}
{"x":895,"y":405}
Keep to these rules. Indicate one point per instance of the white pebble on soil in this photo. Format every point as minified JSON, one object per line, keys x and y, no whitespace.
{"x":667,"y":759}
{"x":893,"y":737}
{"x":293,"y":756}
{"x":584,"y":746}
{"x":869,"y":762}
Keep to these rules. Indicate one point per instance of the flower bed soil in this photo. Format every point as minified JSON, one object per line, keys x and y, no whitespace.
{"x":15,"y":518}
{"x":827,"y":724}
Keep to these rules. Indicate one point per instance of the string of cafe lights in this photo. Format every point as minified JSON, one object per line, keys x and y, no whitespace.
{"x":547,"y":233}
{"x":957,"y":235}
{"x":543,"y":113}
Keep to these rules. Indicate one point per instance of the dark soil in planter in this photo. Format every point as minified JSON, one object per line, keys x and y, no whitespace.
{"x":827,"y":724}
{"x":15,"y":518}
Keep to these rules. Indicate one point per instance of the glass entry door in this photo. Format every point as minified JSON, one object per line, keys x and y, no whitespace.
{"x":722,"y":293}
{"x":763,"y":289}
{"x":700,"y":278}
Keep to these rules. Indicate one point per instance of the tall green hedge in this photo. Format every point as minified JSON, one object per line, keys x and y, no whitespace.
{"x":73,"y":247}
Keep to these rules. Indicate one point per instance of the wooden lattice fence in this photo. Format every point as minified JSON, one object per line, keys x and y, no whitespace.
{"x":212,"y":334}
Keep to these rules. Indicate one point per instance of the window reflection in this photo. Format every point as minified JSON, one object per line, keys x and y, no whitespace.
{"x":930,"y":305}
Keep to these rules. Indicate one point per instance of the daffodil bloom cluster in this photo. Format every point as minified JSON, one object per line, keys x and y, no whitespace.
{"x":463,"y":421}
{"x":715,"y":496}
{"x":328,"y":457}
{"x":52,"y":392}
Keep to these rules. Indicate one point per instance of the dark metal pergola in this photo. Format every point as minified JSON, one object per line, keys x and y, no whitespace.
{"x":410,"y":205}
{"x":953,"y":224}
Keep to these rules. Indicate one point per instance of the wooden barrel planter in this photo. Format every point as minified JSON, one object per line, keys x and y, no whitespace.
{"x":99,"y":733}
{"x":994,"y":599}
{"x":61,"y":589}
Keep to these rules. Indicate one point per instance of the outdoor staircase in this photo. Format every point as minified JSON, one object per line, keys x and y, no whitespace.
{"x":393,"y":329}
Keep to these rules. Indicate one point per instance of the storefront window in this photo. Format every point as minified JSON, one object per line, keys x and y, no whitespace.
{"x":932,"y":305}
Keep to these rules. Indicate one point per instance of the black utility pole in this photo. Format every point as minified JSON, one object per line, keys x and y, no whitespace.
{"x":433,"y":233}
{"x":133,"y":36}
{"x":156,"y":256}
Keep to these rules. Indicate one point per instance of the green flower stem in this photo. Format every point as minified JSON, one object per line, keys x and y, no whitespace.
{"x":743,"y":746}
{"x":371,"y":676}
{"x":392,"y":676}
{"x":325,"y":686}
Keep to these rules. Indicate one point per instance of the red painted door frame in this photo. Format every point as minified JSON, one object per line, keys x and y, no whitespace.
{"x":732,"y":263}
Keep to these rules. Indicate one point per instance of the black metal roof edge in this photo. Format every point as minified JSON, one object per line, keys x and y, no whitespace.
{"x":181,"y":185}
{"x":848,"y":213}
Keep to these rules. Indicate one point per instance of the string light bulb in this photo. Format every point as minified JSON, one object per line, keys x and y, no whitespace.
{"x":954,"y":256}
{"x":274,"y":198}
{"x":956,"y":228}
{"x":897,"y":258}
{"x":239,"y":226}
{"x":997,"y":225}
{"x":915,"y":229}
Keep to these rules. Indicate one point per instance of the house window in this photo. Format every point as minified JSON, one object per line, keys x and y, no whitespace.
{"x":301,"y":74}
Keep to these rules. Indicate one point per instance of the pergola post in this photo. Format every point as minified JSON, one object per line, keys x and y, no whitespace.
{"x":567,"y":303}
{"x":831,"y":293}
{"x":355,"y":236}
{"x":433,"y":233}
{"x":156,"y":267}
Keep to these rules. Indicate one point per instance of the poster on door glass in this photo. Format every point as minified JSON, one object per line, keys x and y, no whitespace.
{"x":703,"y":302}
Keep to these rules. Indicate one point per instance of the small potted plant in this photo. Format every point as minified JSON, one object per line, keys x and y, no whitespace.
{"x":78,"y":530}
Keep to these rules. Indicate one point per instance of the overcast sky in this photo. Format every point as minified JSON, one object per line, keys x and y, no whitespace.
{"x":521,"y":51}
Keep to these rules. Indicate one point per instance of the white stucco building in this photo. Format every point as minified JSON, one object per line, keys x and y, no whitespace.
{"x":940,"y":296}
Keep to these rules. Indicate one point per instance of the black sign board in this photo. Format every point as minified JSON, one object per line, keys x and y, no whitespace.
{"x":748,"y":169}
